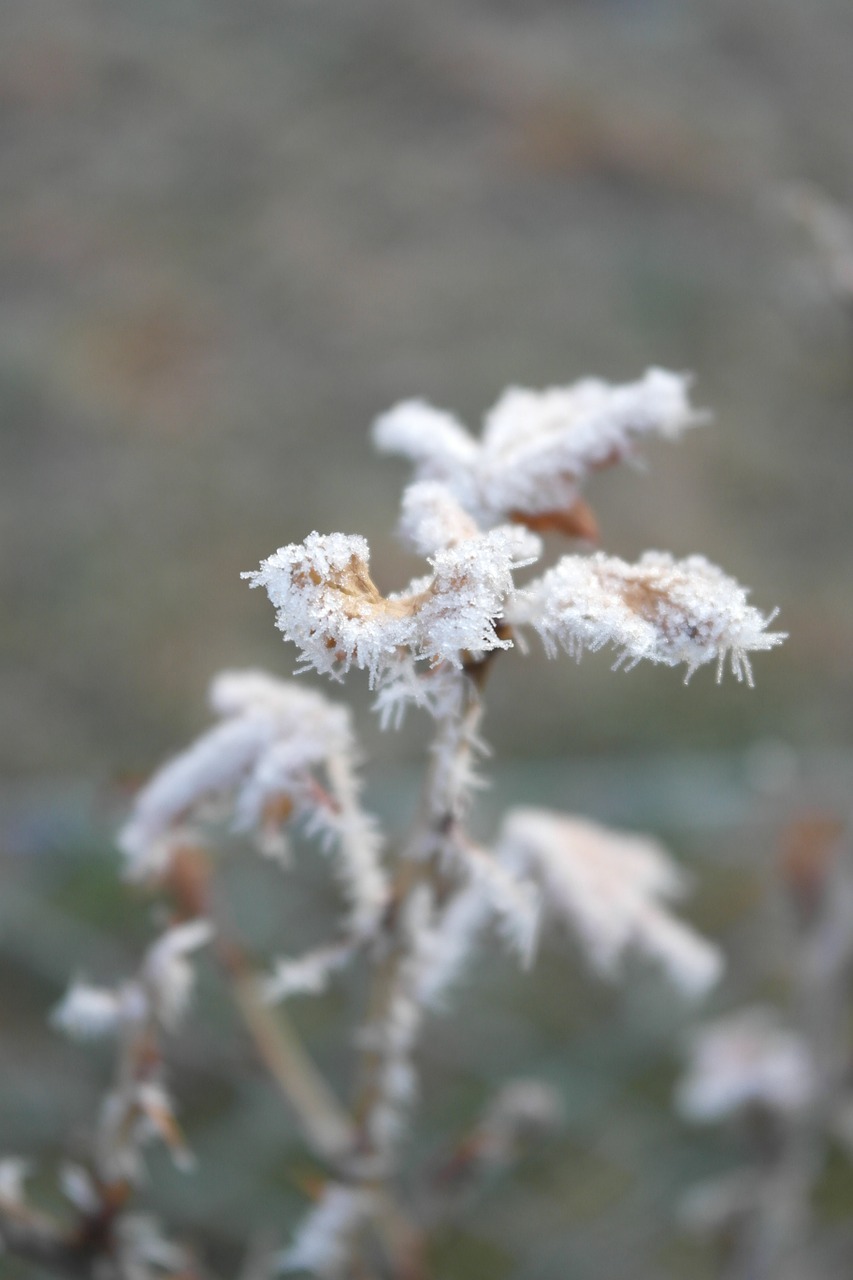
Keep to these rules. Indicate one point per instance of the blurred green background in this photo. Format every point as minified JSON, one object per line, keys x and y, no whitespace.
{"x":233,"y":233}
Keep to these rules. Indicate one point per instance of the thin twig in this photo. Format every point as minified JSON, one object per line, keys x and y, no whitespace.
{"x":324,"y":1122}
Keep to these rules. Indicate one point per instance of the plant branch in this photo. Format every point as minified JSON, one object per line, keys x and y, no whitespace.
{"x":324,"y":1122}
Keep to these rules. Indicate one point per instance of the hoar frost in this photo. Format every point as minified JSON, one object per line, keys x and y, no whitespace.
{"x":474,"y":511}
{"x":321,"y":1244}
{"x":661,"y":609}
{"x":536,"y":451}
{"x":275,"y":747}
{"x":328,"y":605}
{"x":279,"y":751}
{"x":537,"y":447}
{"x":746,"y":1059}
{"x":612,"y":890}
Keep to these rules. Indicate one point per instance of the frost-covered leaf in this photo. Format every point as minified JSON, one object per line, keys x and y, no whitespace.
{"x":659,"y":609}
{"x":328,"y":605}
{"x":611,"y":889}
{"x":537,"y":447}
{"x":744,"y":1059}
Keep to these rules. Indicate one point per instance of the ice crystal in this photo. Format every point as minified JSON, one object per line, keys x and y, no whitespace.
{"x":611,"y":889}
{"x":451,"y":945}
{"x":167,"y":975}
{"x":432,"y":518}
{"x":160,"y":992}
{"x":322,"y":1243}
{"x":394,"y":1039}
{"x":492,"y":893}
{"x":264,"y":757}
{"x":87,"y":1012}
{"x":745,"y":1059}
{"x":660,"y":609}
{"x":328,"y":605}
{"x":514,"y":901}
{"x":260,"y":717}
{"x":537,"y":447}
{"x":308,"y":974}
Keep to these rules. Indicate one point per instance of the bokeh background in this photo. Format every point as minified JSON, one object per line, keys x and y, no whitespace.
{"x":233,"y":233}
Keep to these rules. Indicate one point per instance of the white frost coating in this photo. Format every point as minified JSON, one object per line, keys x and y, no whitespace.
{"x":259,"y":712}
{"x":13,"y":1174}
{"x":394,"y":1040}
{"x":360,"y":841}
{"x":327,"y":604}
{"x":537,"y":447}
{"x":322,"y":1242}
{"x":610,"y":889}
{"x":263,"y":758}
{"x":134,"y":1113}
{"x":436,"y":442}
{"x":431,"y":518}
{"x":237,"y":692}
{"x":493,"y":893}
{"x":162,"y":990}
{"x":403,"y":684}
{"x":660,"y":609}
{"x":451,"y":945}
{"x":308,"y":974}
{"x":471,"y":581}
{"x":743,"y":1060}
{"x":515,"y":902}
{"x":79,"y":1189}
{"x":167,"y":976}
{"x":520,"y":1112}
{"x":138,"y":1107}
{"x":87,"y":1013}
{"x":211,"y":765}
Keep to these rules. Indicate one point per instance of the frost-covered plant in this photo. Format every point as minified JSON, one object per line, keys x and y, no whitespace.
{"x":281,"y":753}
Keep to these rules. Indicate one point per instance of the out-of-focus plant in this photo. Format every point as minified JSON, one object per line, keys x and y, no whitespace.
{"x":829,"y":229}
{"x":414,"y":913}
{"x":786,"y":1086}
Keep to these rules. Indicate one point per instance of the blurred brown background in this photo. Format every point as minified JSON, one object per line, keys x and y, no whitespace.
{"x":232,"y":233}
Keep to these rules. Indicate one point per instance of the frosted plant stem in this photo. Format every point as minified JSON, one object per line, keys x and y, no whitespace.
{"x":419,"y":865}
{"x":419,"y":872}
{"x":450,"y":776}
{"x":359,"y":847}
{"x":324,"y":1122}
